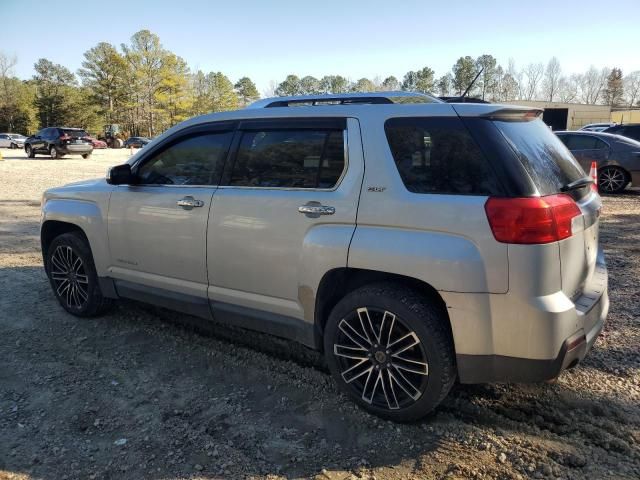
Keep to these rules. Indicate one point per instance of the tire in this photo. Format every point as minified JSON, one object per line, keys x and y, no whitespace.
{"x":397,"y":313}
{"x":86,"y":155}
{"x":612,"y":180}
{"x":73,"y":278}
{"x":53,"y":151}
{"x":29,"y":151}
{"x":13,"y":146}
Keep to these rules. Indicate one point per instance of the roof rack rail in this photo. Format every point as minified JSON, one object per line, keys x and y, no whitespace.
{"x":372,"y":98}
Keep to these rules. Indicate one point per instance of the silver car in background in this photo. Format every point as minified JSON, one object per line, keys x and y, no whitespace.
{"x":412,"y":241}
{"x":12,"y":140}
{"x":617,"y":157}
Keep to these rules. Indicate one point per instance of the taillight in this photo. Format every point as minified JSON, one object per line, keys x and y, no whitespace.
{"x":531,"y":220}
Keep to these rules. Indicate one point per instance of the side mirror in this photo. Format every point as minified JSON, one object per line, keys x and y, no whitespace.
{"x":120,"y":175}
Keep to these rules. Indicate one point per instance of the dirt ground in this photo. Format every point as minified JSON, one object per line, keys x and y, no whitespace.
{"x":140,"y":394}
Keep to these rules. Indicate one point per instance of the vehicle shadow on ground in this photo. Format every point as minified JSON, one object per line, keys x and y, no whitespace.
{"x":234,"y":403}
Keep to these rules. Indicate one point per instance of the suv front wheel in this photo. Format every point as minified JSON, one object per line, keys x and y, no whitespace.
{"x":72,"y":274}
{"x":390,"y":350}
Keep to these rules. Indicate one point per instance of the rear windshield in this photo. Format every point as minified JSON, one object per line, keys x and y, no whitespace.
{"x":75,"y":133}
{"x":545,"y":158}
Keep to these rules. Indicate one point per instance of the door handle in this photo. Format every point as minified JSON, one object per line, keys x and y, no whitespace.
{"x":189,"y":202}
{"x":315,"y":209}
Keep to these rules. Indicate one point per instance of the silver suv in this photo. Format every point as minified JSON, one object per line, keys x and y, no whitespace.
{"x":414,"y":242}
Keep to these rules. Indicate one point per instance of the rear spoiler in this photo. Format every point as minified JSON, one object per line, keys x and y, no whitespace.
{"x":493,"y":111}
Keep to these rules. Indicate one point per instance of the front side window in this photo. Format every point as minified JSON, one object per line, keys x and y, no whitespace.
{"x":289,"y":159}
{"x":195,"y":160}
{"x":438,"y":155}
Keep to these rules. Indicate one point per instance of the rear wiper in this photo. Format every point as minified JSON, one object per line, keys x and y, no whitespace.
{"x":581,"y":182}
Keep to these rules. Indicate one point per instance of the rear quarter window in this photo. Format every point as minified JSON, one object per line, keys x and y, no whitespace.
{"x":438,"y":155}
{"x":544,"y":157}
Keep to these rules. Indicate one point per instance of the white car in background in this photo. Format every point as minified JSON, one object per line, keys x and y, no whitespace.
{"x":12,"y":140}
{"x":597,"y":127}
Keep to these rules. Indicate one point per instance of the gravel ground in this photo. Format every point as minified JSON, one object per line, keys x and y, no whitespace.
{"x":141,"y":393}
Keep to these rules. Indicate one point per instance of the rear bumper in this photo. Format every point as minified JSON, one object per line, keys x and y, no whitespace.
{"x":498,"y":368}
{"x":520,"y":338}
{"x":75,"y":149}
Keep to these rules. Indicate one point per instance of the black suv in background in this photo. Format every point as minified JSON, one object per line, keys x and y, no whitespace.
{"x":629,"y":130}
{"x":58,"y":142}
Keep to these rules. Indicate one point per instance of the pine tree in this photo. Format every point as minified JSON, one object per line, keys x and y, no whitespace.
{"x":247,"y":91}
{"x":614,"y":91}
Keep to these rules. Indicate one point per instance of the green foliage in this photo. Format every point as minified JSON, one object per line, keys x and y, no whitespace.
{"x":54,"y":92}
{"x":364,"y":85}
{"x":420,"y":81}
{"x":464,"y":70}
{"x":487,"y":80}
{"x":290,"y":86}
{"x":334,"y":84}
{"x":222,"y":96}
{"x":247,"y":91}
{"x":103,"y":72}
{"x":390,"y":84}
{"x":309,"y":85}
{"x":445,"y":85}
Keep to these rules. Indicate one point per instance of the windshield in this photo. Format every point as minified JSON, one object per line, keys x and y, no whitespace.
{"x":542,"y":154}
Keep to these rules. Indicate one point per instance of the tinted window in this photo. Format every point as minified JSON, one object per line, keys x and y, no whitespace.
{"x":547,"y":161}
{"x":289,"y":159}
{"x":583,"y":142}
{"x":438,"y":155}
{"x":196,"y":160}
{"x":4,"y":137}
{"x":74,"y":132}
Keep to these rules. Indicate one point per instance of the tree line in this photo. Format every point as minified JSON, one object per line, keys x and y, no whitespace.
{"x":536,"y":81}
{"x":142,"y":87}
{"x":146,"y":88}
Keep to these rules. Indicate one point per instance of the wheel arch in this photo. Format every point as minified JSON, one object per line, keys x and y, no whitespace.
{"x":338,"y":282}
{"x":51,"y":229}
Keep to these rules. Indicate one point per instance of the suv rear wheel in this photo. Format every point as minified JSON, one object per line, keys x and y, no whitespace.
{"x":612,"y":180}
{"x":72,"y":274}
{"x":389,"y":349}
{"x":29,"y":151}
{"x":54,"y":152}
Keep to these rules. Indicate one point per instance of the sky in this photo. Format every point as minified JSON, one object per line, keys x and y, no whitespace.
{"x":266,"y":40}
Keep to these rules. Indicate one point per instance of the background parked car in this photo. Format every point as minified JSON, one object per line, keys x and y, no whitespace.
{"x":630,"y":130}
{"x":97,"y":143}
{"x":58,"y":142}
{"x":618,"y":157}
{"x":12,"y":140}
{"x":597,"y":127}
{"x":136,"y":142}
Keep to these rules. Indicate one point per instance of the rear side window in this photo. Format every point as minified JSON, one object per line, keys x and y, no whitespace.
{"x":289,"y":159}
{"x":544,"y":157}
{"x":438,"y":155}
{"x":583,"y":142}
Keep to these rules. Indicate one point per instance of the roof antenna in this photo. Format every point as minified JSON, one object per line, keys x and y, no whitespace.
{"x":471,"y":84}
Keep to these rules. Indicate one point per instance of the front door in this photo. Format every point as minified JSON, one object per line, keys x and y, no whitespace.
{"x":158,"y":227}
{"x":287,"y":197}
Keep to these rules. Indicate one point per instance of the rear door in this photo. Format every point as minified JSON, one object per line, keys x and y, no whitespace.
{"x":4,"y":140}
{"x":287,"y":183}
